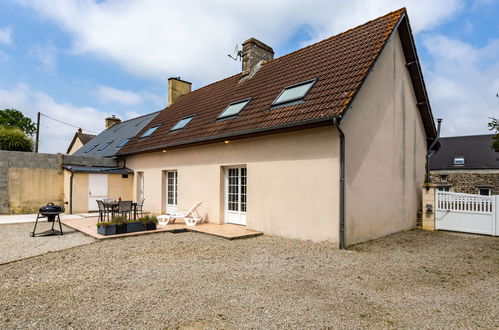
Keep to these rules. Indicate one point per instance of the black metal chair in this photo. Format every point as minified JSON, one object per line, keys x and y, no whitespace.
{"x":103,"y":211}
{"x":125,"y":209}
{"x":139,"y":211}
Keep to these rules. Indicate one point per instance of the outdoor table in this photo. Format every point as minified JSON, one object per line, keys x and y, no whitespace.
{"x":113,"y":206}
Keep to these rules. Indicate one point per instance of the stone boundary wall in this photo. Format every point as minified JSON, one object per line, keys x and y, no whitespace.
{"x":467,"y":181}
{"x":15,"y":165}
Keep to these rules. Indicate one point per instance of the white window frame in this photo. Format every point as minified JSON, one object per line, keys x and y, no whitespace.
{"x":459,"y":161}
{"x":444,"y":188}
{"x":236,"y":216}
{"x":484,"y":188}
{"x":171,"y":207}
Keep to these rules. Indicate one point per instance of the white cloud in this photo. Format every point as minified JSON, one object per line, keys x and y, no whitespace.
{"x":125,"y":97}
{"x":462,"y":83}
{"x":6,"y":35}
{"x":158,"y":39}
{"x":54,"y":136}
{"x":47,"y":55}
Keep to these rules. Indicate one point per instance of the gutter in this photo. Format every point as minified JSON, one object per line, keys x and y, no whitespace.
{"x":430,"y":153}
{"x":336,"y":123}
{"x":71,"y":193}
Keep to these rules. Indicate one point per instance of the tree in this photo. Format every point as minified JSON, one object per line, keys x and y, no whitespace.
{"x":14,"y":139}
{"x":13,"y":118}
{"x":494,"y":126}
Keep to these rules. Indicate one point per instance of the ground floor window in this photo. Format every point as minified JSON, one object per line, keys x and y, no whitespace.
{"x":485,"y":191}
{"x":171,"y":190}
{"x":444,"y":188}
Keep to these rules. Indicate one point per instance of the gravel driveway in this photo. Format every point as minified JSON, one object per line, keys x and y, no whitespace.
{"x":413,"y":279}
{"x":15,"y":242}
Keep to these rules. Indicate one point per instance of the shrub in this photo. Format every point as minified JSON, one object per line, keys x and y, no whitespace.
{"x":14,"y":139}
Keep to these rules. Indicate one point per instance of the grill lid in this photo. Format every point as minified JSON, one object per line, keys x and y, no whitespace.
{"x":50,"y":208}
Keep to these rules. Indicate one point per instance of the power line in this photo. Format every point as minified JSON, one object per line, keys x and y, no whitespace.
{"x":60,"y":121}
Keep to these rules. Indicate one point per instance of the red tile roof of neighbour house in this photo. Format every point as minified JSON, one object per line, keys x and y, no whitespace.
{"x":339,"y":64}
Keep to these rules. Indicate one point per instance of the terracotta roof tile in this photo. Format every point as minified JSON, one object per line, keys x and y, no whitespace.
{"x":339,"y":63}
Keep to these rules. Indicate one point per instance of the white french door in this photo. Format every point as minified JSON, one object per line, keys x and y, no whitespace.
{"x":140,"y":186}
{"x":97,"y":190}
{"x":235,"y":195}
{"x":171,"y":191}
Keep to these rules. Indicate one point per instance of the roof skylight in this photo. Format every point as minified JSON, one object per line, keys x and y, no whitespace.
{"x":91,"y":148}
{"x":149,"y":131}
{"x":104,"y":146}
{"x":233,"y":109}
{"x":125,"y":141}
{"x":294,"y":92}
{"x":182,"y":123}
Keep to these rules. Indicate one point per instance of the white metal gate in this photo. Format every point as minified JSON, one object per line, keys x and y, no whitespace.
{"x":469,"y":213}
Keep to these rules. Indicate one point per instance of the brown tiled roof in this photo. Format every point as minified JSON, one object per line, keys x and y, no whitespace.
{"x":84,"y":138}
{"x":340,"y":64}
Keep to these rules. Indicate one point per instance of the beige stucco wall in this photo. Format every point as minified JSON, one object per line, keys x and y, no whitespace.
{"x":292,"y":181}
{"x":120,"y":187}
{"x":385,"y":151}
{"x":117,"y":187}
{"x":30,"y":188}
{"x":77,"y":145}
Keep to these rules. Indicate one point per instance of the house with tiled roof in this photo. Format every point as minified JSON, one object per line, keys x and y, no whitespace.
{"x":327,"y":143}
{"x":466,"y":164}
{"x":78,"y":141}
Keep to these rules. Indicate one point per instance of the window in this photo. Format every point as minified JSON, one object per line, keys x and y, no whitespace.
{"x":485,"y":191}
{"x":104,"y":146}
{"x":234,"y":108}
{"x":171,"y":188}
{"x":91,"y":148}
{"x":125,"y":141}
{"x":443,"y":178}
{"x":149,"y":131}
{"x":182,"y":123}
{"x":444,"y":188}
{"x":294,"y":92}
{"x":458,"y":160}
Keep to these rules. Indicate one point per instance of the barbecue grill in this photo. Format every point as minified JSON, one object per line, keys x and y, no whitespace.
{"x":51,"y":212}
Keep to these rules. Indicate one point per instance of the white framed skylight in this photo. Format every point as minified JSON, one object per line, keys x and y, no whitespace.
{"x":91,"y":148}
{"x":182,"y":123}
{"x":294,"y":92}
{"x":458,"y":160}
{"x":233,"y":109}
{"x":105,"y":145}
{"x":149,"y":131}
{"x":125,"y":141}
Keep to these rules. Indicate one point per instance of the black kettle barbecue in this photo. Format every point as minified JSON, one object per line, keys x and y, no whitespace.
{"x":51,"y":212}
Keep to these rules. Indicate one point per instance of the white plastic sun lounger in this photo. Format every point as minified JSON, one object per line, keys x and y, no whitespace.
{"x":190,"y":217}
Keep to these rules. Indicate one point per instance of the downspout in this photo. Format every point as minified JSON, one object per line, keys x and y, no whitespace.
{"x":336,"y":122}
{"x":430,"y":153}
{"x":71,"y":193}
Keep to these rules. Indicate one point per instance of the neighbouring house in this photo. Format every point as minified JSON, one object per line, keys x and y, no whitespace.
{"x":84,"y":185}
{"x":78,"y":141}
{"x":327,"y":143}
{"x":466,"y":164}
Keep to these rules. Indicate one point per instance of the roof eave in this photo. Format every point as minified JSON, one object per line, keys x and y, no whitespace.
{"x":317,"y":122}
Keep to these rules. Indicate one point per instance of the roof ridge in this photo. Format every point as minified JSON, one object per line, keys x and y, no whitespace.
{"x":147,"y":114}
{"x":399,"y":11}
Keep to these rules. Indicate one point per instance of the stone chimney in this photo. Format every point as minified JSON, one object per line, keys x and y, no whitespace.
{"x":255,"y":53}
{"x":110,"y":121}
{"x":177,"y":88}
{"x":80,"y":130}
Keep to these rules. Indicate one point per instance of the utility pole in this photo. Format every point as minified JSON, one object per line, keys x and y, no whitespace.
{"x":37,"y":131}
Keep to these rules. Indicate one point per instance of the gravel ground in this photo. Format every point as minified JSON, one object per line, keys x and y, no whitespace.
{"x":413,"y":279}
{"x":15,"y":242}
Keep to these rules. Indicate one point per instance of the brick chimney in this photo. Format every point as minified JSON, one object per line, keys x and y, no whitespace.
{"x":254,"y":52}
{"x":176,"y":88}
{"x":110,"y":121}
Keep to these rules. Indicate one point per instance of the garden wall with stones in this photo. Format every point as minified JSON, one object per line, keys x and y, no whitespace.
{"x":29,"y":180}
{"x":468,"y":182}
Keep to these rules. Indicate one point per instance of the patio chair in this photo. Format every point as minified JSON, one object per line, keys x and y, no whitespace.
{"x":125,"y":209}
{"x":191,"y":217}
{"x":103,"y":211}
{"x":139,"y":211}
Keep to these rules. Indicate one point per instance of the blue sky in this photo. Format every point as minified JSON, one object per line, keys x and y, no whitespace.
{"x":80,"y":61}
